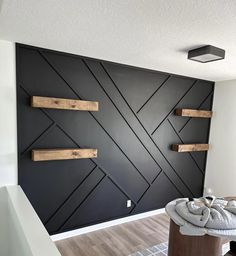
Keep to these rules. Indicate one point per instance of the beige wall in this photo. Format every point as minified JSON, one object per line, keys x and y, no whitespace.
{"x":221,"y":163}
{"x":8,"y":144}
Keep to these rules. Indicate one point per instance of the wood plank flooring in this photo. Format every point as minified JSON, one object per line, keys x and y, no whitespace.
{"x":120,"y":240}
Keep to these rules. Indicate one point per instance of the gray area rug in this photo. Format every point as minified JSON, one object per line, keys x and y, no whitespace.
{"x":157,"y":250}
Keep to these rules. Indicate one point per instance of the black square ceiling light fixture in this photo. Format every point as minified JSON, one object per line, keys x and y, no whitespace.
{"x":206,"y":54}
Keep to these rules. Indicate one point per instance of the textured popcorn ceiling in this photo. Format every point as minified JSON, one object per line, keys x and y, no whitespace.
{"x":154,"y":34}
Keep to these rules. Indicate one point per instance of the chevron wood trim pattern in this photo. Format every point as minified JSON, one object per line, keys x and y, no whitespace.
{"x":190,"y":147}
{"x":193,"y":113}
{"x":62,"y":154}
{"x":59,"y":103}
{"x":136,"y":123}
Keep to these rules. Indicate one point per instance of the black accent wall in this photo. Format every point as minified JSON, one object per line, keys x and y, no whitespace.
{"x":133,"y":131}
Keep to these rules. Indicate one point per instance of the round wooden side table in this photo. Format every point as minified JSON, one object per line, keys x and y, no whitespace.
{"x":181,"y":245}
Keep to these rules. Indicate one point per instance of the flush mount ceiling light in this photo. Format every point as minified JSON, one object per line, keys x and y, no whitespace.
{"x":206,"y":53}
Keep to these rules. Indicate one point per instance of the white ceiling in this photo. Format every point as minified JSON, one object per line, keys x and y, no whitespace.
{"x":154,"y":34}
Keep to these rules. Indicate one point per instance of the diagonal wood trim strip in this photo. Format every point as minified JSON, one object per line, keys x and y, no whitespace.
{"x":62,"y":154}
{"x":193,"y":113}
{"x":59,"y":103}
{"x":189,"y":147}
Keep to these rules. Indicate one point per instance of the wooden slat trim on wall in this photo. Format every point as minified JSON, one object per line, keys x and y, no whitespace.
{"x":189,"y":147}
{"x":62,"y":154}
{"x":59,"y":103}
{"x":132,"y":133}
{"x":193,"y":113}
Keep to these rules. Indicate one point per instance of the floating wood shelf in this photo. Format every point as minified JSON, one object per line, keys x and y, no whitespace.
{"x":62,"y":154}
{"x":193,"y":113}
{"x":189,"y":147}
{"x":59,"y":103}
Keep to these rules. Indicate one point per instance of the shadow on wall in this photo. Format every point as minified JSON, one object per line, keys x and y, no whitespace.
{"x":186,"y":49}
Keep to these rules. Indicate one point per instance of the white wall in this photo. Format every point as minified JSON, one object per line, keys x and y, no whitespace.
{"x":4,"y":222}
{"x":221,"y":163}
{"x":8,"y":144}
{"x":21,"y":231}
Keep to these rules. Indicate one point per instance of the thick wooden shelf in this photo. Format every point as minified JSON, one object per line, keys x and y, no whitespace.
{"x":62,"y":154}
{"x":193,"y":113}
{"x":59,"y":103}
{"x":189,"y":147}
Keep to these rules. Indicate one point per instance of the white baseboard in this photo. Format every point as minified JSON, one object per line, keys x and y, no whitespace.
{"x":107,"y":224}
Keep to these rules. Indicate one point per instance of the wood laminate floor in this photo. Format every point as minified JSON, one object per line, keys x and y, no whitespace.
{"x":120,"y":240}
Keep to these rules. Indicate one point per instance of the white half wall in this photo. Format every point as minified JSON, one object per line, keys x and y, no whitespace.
{"x":22,"y":232}
{"x":221,"y":164}
{"x":8,"y":132}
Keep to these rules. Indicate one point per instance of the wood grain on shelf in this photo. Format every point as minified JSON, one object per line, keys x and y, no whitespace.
{"x":62,"y":154}
{"x":190,"y":147}
{"x":193,"y":113}
{"x":59,"y":103}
